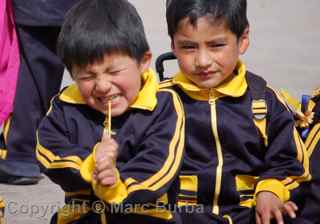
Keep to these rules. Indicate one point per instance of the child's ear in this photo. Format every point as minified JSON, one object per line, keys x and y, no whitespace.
{"x":172,"y":46}
{"x":145,"y":61}
{"x":244,"y":41}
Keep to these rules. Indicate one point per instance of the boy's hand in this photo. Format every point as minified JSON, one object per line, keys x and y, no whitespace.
{"x":290,"y":208}
{"x":106,"y":155}
{"x":269,"y":206}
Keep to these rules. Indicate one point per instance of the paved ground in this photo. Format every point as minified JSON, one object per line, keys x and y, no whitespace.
{"x":284,"y":49}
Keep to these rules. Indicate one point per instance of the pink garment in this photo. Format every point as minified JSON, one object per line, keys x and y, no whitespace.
{"x":9,"y":59}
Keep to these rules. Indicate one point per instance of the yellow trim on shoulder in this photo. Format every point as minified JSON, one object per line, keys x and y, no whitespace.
{"x":280,"y":98}
{"x":52,"y":161}
{"x":172,"y":163}
{"x":290,"y":100}
{"x":275,"y":186}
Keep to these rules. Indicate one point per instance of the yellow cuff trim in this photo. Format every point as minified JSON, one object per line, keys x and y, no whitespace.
{"x":275,"y":186}
{"x":88,"y":166}
{"x":3,"y":153}
{"x":114,"y":194}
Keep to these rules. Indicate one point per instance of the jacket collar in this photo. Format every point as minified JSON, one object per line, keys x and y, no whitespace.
{"x":235,"y":87}
{"x":146,"y":98}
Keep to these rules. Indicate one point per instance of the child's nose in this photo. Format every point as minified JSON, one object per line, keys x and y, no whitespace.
{"x":103,"y":85}
{"x":203,"y":59}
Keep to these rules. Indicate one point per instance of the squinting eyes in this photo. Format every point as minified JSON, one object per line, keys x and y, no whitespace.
{"x":188,"y":47}
{"x":85,"y":78}
{"x":217,"y":45}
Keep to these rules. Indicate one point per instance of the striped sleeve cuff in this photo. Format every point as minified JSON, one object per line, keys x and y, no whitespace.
{"x":274,"y":186}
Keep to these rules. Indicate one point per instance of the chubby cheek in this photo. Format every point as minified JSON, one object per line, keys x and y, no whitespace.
{"x":228,"y":66}
{"x":131,"y":90}
{"x":86,"y":92}
{"x":186,"y":65}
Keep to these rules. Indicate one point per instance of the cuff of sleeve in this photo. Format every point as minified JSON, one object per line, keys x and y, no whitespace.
{"x":87,"y":167}
{"x":114,"y":194}
{"x":274,"y":186}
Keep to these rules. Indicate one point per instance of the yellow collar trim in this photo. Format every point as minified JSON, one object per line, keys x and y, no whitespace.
{"x":235,"y":87}
{"x":71,"y":95}
{"x":146,"y":99}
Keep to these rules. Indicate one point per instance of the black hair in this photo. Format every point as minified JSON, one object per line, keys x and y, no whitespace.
{"x":232,"y":12}
{"x":93,"y":28}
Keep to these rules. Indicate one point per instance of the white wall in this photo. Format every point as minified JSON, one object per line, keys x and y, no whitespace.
{"x":285,"y":37}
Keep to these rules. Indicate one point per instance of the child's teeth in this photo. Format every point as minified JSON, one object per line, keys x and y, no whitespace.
{"x":113,"y":97}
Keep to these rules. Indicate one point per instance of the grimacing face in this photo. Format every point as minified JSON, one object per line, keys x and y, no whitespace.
{"x":117,"y":78}
{"x":208,"y":52}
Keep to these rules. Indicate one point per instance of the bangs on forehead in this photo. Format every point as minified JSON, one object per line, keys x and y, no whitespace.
{"x":214,"y":21}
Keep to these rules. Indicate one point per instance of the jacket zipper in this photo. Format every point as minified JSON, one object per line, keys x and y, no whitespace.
{"x":212,"y":103}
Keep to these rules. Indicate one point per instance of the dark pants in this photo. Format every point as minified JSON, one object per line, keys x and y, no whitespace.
{"x":40,"y":77}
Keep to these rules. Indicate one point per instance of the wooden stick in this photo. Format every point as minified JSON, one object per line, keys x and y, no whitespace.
{"x":109,"y":118}
{"x":107,"y":121}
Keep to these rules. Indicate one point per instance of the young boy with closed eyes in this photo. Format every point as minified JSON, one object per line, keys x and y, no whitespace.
{"x":120,"y":169}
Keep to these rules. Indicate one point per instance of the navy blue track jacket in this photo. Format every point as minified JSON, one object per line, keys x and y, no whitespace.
{"x":228,"y":158}
{"x":151,"y":144}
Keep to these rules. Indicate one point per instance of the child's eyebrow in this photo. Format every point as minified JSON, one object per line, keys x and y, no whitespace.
{"x":212,"y":41}
{"x":218,"y":39}
{"x":186,"y":42}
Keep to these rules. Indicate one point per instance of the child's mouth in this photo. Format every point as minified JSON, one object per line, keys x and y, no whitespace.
{"x":112,"y":98}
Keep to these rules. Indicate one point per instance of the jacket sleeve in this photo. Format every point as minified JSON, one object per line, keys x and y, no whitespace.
{"x":286,"y":159}
{"x":148,"y":175}
{"x":60,"y":159}
{"x":308,"y":196}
